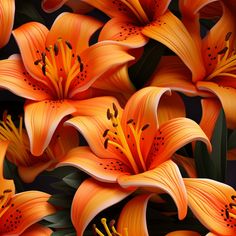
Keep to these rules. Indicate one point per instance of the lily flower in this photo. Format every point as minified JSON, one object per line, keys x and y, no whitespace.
{"x":218,"y":59}
{"x":56,"y":70}
{"x":38,"y":230}
{"x":128,"y":149}
{"x":214,"y":204}
{"x":19,"y":211}
{"x":7,"y":12}
{"x":77,"y":6}
{"x":18,"y":152}
{"x":133,"y":22}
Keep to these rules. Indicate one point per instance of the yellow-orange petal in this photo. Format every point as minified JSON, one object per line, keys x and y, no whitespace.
{"x":118,"y":82}
{"x":170,"y":107}
{"x":166,"y":177}
{"x":38,"y":230}
{"x":172,"y":73}
{"x":173,"y":135}
{"x":97,"y":60}
{"x":124,"y":32}
{"x":183,"y":233}
{"x":187,"y":163}
{"x":147,"y":100}
{"x":133,"y":216}
{"x":170,"y":31}
{"x":42,"y":119}
{"x":102,"y":169}
{"x":210,"y":112}
{"x":14,"y":77}
{"x":7,"y":12}
{"x":212,"y":207}
{"x":31,"y":38}
{"x":74,"y":28}
{"x":91,"y":198}
{"x":25,"y":209}
{"x":226,"y":95}
{"x":5,"y":183}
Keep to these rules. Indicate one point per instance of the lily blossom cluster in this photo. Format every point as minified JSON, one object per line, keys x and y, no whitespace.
{"x":126,"y":121}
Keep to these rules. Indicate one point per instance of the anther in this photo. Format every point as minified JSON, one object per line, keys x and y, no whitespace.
{"x":112,"y":223}
{"x":47,"y":49}
{"x":145,"y":127}
{"x":106,"y":143}
{"x":227,"y":37}
{"x":115,"y":109}
{"x":78,"y":58}
{"x":56,"y":50}
{"x":231,"y":205}
{"x":224,"y":50}
{"x":68,"y":44}
{"x":37,"y":62}
{"x":7,"y":191}
{"x":108,"y":114}
{"x":105,"y":133}
{"x":81,"y":67}
{"x":44,"y":69}
{"x":130,"y":121}
{"x":233,"y":197}
{"x":43,"y":54}
{"x":227,"y":213}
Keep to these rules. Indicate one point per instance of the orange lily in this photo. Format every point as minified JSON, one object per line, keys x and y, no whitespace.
{"x":7,"y":12}
{"x":129,"y":150}
{"x":77,"y":6}
{"x":18,"y":152}
{"x":19,"y":211}
{"x":56,"y":69}
{"x":217,"y":58}
{"x":133,"y":22}
{"x":38,"y":230}
{"x":214,"y":204}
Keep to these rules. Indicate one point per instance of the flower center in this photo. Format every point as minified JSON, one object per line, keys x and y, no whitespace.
{"x":226,"y":61}
{"x":60,"y":67}
{"x":110,"y":230}
{"x":127,"y":143}
{"x":229,"y":213}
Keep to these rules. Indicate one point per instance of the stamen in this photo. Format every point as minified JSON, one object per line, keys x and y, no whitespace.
{"x":105,"y":133}
{"x":129,"y":121}
{"x":68,"y":45}
{"x":115,"y":110}
{"x":108,"y":114}
{"x":56,"y":50}
{"x":104,"y":222}
{"x":145,"y":127}
{"x":106,"y":143}
{"x":37,"y":62}
{"x":228,"y":35}
{"x":223,"y":51}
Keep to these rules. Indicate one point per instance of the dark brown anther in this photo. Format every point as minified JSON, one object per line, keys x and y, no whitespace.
{"x":115,"y":110}
{"x":227,"y":37}
{"x":227,"y":213}
{"x":56,"y":50}
{"x":223,"y":51}
{"x":68,"y":45}
{"x":81,"y":67}
{"x":47,"y":49}
{"x":130,"y":121}
{"x":233,"y":197}
{"x":44,"y":69}
{"x":145,"y":127}
{"x":78,"y":58}
{"x":114,"y":125}
{"x":231,"y":205}
{"x":106,"y":143}
{"x":105,"y":133}
{"x":43,"y":54}
{"x":7,"y":191}
{"x":37,"y":62}
{"x":108,"y":114}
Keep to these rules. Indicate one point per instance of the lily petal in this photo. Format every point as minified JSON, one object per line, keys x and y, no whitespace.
{"x":166,"y":177}
{"x":124,"y":32}
{"x":38,"y":230}
{"x":170,"y":31}
{"x":97,"y":60}
{"x":74,"y":28}
{"x":5,"y":183}
{"x":147,"y":101}
{"x":31,"y":38}
{"x":13,"y":76}
{"x":7,"y":12}
{"x":26,"y":209}
{"x":133,"y":216}
{"x":173,"y":135}
{"x":41,"y":120}
{"x":102,"y":169}
{"x":170,"y":107}
{"x":210,"y":111}
{"x":183,"y":233}
{"x":79,"y":7}
{"x":52,"y":5}
{"x":91,"y":198}
{"x":212,"y":207}
{"x":226,"y":95}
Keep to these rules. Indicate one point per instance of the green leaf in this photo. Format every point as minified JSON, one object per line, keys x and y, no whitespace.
{"x":61,"y":200}
{"x":69,"y":232}
{"x":213,"y":165}
{"x":62,"y":186}
{"x":73,"y":180}
{"x":232,"y":140}
{"x":141,"y":71}
{"x":60,"y":172}
{"x":61,"y":219}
